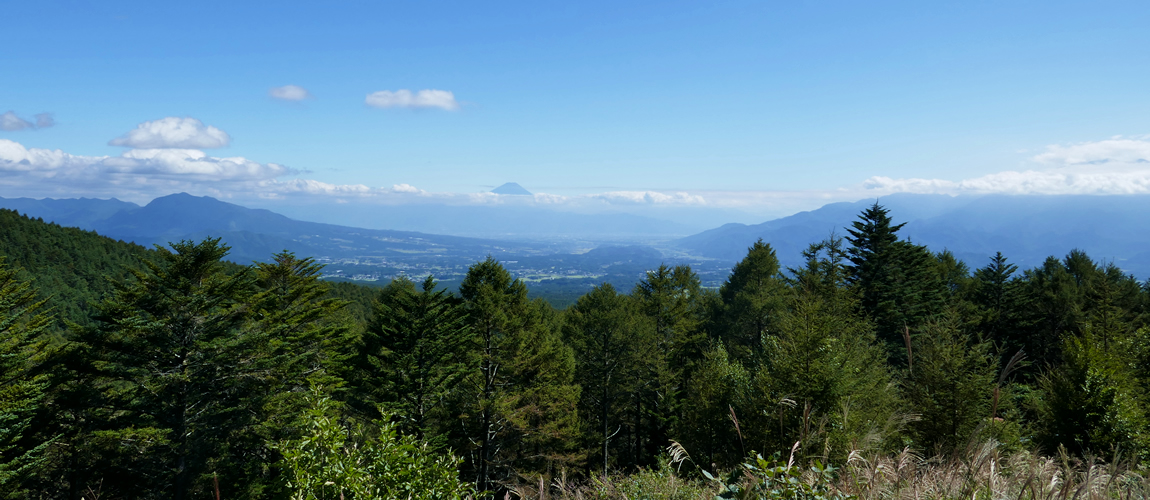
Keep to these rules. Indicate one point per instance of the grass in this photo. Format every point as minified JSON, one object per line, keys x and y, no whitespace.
{"x":980,"y":472}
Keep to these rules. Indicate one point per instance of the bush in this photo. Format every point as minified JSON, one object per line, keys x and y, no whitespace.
{"x":336,"y":461}
{"x":761,"y":479}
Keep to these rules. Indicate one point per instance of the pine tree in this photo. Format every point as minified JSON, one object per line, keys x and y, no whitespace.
{"x":1000,"y":307}
{"x":950,"y":383}
{"x":1091,"y":402}
{"x":721,"y":418}
{"x":296,"y":338}
{"x":897,"y":280}
{"x":823,"y":381}
{"x":671,"y":299}
{"x":416,"y":346}
{"x":753,"y":297}
{"x":23,"y":346}
{"x":519,"y":407}
{"x":610,"y":342}
{"x":172,"y":365}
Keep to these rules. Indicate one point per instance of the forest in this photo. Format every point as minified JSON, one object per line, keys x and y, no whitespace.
{"x":877,"y":369}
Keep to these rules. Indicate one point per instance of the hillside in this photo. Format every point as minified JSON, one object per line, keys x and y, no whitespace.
{"x":254,"y":234}
{"x":1026,"y":229}
{"x":70,"y":266}
{"x":73,"y":268}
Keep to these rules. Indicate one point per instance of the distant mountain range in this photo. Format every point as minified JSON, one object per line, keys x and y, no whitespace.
{"x":1026,"y":229}
{"x":503,"y":222}
{"x":255,"y":234}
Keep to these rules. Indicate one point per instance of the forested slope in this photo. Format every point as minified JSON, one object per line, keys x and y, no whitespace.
{"x":265,"y":382}
{"x":74,"y":268}
{"x":70,"y":266}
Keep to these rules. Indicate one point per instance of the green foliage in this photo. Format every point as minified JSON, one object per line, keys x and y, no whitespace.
{"x":414,"y":354}
{"x":1091,"y":403}
{"x":23,"y":347}
{"x":950,"y":384}
{"x":823,"y":382}
{"x":899,"y":284}
{"x":296,"y":336}
{"x":753,"y":296}
{"x":335,"y":461}
{"x":518,"y":408}
{"x":722,"y":393}
{"x":71,"y":267}
{"x":171,"y":364}
{"x":611,"y":342}
{"x":672,"y":300}
{"x":660,"y":482}
{"x":760,"y":479}
{"x":191,"y":368}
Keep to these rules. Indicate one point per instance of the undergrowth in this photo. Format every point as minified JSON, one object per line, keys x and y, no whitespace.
{"x":982,"y":471}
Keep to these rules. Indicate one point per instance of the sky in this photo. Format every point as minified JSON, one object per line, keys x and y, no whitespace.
{"x":743,"y":110}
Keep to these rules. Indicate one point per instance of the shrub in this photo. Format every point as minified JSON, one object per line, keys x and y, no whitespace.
{"x":338,"y":461}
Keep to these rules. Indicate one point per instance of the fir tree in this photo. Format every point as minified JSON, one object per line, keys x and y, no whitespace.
{"x":416,"y":346}
{"x":950,"y":383}
{"x":172,"y":365}
{"x":23,"y":346}
{"x":671,"y":299}
{"x":610,"y":342}
{"x":296,"y":339}
{"x":519,"y":407}
{"x":1091,"y":402}
{"x":897,"y":280}
{"x":753,"y":296}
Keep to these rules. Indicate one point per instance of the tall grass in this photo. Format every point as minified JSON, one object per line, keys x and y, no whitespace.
{"x":980,"y":472}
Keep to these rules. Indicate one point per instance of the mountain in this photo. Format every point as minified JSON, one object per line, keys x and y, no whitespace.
{"x":503,"y":222}
{"x":1026,"y":229}
{"x":511,"y":188}
{"x":77,"y":212}
{"x":255,"y":234}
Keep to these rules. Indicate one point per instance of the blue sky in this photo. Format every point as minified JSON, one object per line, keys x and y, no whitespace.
{"x":748,"y":109}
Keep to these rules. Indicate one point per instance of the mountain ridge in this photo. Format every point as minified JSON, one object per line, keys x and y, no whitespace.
{"x":1025,"y":228}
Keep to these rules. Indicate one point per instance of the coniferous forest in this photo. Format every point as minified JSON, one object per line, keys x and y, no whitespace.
{"x":877,"y":369}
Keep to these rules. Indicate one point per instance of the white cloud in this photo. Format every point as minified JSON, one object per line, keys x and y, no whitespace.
{"x":136,"y":174}
{"x":405,"y":188}
{"x":172,"y":132}
{"x":651,"y":198}
{"x":11,"y":122}
{"x":549,"y":199}
{"x":403,"y":98}
{"x":289,"y":93}
{"x":1111,"y":151}
{"x":1112,"y":166}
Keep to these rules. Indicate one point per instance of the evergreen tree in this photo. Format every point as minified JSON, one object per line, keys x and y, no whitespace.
{"x":415,"y":350}
{"x":954,"y":275}
{"x":519,"y":408}
{"x":825,"y":273}
{"x":23,"y":347}
{"x":172,"y":365}
{"x":1065,"y":297}
{"x":997,"y":296}
{"x":722,"y":415}
{"x":672,"y":300}
{"x":950,"y":383}
{"x":897,"y":280}
{"x":823,"y":382}
{"x":610,"y":342}
{"x":297,"y":339}
{"x":1091,"y":402}
{"x":753,"y":296}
